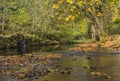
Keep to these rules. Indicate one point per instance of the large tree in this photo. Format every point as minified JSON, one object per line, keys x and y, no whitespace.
{"x":99,"y":13}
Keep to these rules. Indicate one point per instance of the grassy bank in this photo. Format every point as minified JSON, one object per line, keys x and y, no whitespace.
{"x":11,"y":41}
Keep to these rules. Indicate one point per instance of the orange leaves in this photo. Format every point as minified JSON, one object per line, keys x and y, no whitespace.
{"x":94,"y":73}
{"x":108,"y":44}
{"x":20,"y":75}
{"x":50,"y":56}
{"x":32,"y":65}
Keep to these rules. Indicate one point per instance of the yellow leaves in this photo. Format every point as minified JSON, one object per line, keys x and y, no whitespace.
{"x":56,"y":6}
{"x":61,"y":1}
{"x":97,"y":2}
{"x":96,"y":73}
{"x":99,"y":14}
{"x":80,"y":3}
{"x":101,"y":74}
{"x":70,"y":1}
{"x":72,"y":8}
{"x":60,"y":17}
{"x":67,"y":19}
{"x":78,"y":13}
{"x":70,"y":17}
{"x":52,"y":16}
{"x":56,"y":13}
{"x":89,"y":10}
{"x":67,"y":6}
{"x":94,"y":2}
{"x":90,"y":3}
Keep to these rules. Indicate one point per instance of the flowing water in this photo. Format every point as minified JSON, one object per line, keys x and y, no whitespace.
{"x":104,"y":64}
{"x":79,"y":67}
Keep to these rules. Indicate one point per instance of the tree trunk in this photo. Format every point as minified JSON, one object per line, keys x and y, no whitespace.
{"x":96,"y":33}
{"x":3,"y":16}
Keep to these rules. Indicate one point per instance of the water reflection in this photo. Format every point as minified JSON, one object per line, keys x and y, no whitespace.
{"x":37,"y":49}
{"x":106,"y":64}
{"x":109,"y":64}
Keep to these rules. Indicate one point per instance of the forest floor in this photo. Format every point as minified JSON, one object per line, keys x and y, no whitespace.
{"x":111,"y":43}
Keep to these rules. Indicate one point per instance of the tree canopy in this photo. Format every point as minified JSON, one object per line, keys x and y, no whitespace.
{"x":59,"y":20}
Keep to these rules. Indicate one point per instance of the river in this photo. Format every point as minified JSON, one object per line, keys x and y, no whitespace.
{"x":81,"y":68}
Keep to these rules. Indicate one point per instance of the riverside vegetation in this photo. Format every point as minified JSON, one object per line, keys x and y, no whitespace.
{"x":57,"y":21}
{"x":91,"y":24}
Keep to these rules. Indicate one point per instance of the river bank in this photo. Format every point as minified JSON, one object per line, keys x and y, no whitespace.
{"x":110,"y":43}
{"x":9,"y":42}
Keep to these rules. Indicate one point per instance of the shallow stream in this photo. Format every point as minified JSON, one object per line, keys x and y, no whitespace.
{"x":80,"y":66}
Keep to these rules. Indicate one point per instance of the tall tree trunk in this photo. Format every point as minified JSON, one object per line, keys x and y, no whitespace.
{"x":95,"y":33}
{"x":3,"y":16}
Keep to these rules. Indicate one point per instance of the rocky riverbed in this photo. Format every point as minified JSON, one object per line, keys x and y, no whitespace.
{"x":27,"y":67}
{"x":60,"y":67}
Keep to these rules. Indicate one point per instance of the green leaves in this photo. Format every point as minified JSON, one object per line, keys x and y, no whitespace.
{"x":19,"y":20}
{"x":21,"y":17}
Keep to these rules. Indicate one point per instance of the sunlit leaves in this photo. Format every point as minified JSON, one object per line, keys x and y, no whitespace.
{"x":56,"y":6}
{"x":20,"y":18}
{"x":60,"y":17}
{"x":73,"y":8}
{"x":113,"y":3}
{"x":91,"y":8}
{"x":99,"y":14}
{"x":70,"y":1}
{"x":70,"y":17}
{"x":83,"y":26}
{"x":97,"y":1}
{"x":80,"y":3}
{"x":61,"y":1}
